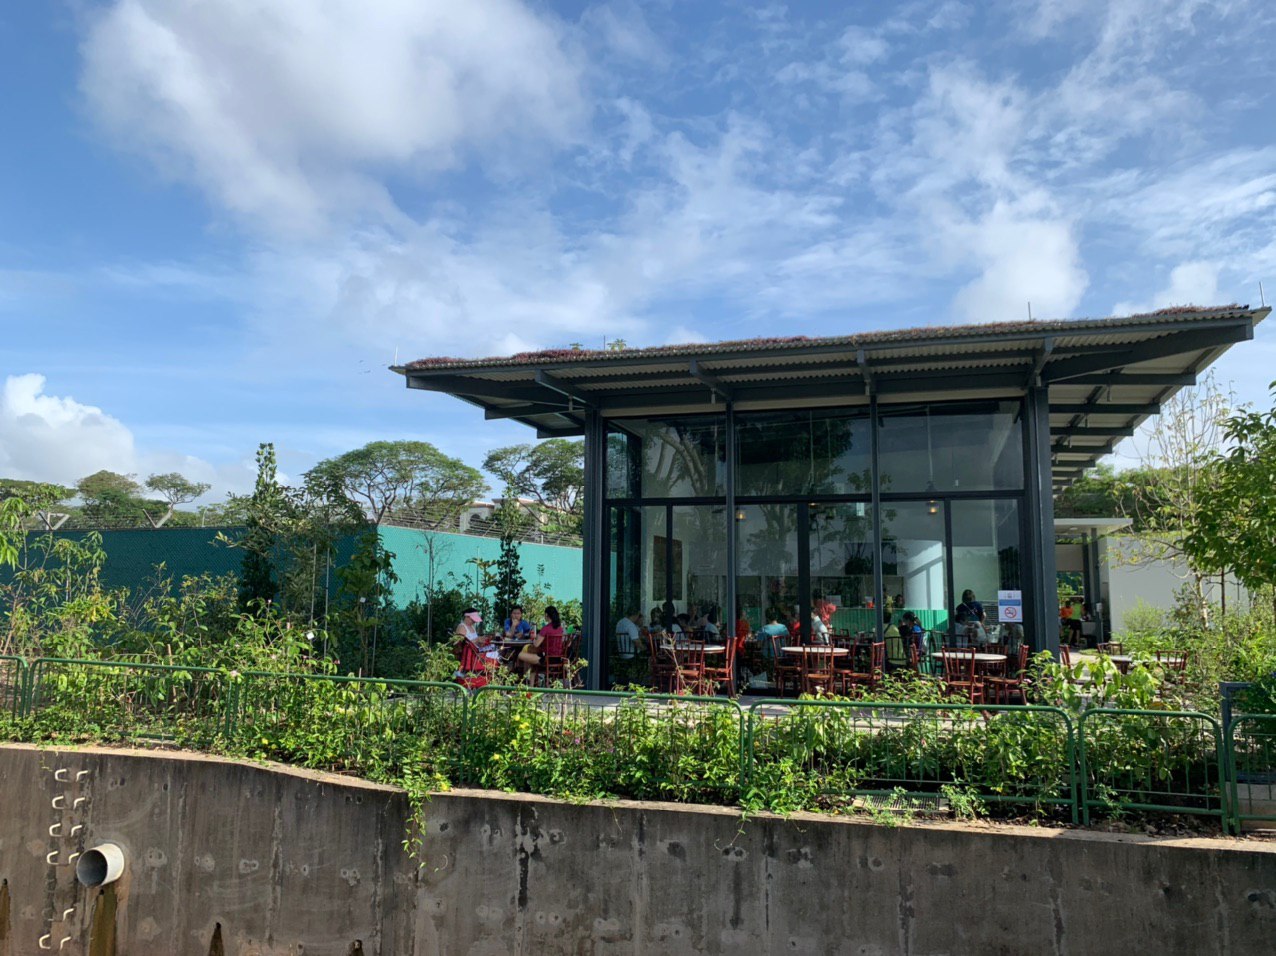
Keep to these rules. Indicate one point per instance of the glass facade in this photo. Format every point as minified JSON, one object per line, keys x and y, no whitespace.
{"x":804,"y":453}
{"x":963,"y":447}
{"x":780,"y":521}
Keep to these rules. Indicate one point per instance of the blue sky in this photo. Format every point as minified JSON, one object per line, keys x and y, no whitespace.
{"x":219,"y":222}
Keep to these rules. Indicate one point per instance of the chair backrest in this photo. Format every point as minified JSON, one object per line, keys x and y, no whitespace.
{"x":818,"y":659}
{"x":1112,"y":647}
{"x":1065,"y":655}
{"x":777,"y":646}
{"x":691,"y":654}
{"x":1023,"y":658}
{"x":959,"y":664}
{"x":878,"y":657}
{"x":1173,"y":660}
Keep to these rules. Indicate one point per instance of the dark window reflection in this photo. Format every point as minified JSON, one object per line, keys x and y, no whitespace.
{"x":667,"y":458}
{"x":802,"y":453}
{"x":967,"y":447}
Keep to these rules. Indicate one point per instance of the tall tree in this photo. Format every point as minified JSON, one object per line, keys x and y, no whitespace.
{"x":512,"y":520}
{"x":111,"y":499}
{"x":1234,"y":529}
{"x":41,"y":500}
{"x":551,"y":472}
{"x":1174,"y":486}
{"x":174,"y":489}
{"x":384,"y":476}
{"x":267,"y":513}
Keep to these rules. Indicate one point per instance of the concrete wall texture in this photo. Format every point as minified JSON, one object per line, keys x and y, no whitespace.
{"x":227,"y":857}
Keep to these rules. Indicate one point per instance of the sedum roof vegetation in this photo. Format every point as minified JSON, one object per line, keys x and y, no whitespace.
{"x":918,"y":334}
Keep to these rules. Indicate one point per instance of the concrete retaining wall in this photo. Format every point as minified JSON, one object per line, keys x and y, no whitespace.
{"x":273,"y":862}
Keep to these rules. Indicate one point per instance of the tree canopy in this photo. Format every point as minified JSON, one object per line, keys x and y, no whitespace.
{"x":1235,"y":527}
{"x":551,"y":472}
{"x":384,"y":476}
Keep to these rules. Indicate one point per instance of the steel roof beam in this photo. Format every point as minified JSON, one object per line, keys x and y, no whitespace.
{"x":715,"y":384}
{"x":1155,"y":379}
{"x":554,"y":384}
{"x":1162,"y":347}
{"x":1105,"y":408}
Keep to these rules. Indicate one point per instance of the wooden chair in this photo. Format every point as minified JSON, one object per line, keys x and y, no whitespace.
{"x":816,"y":666}
{"x":1003,"y":689}
{"x":960,"y":678}
{"x":1112,"y":647}
{"x":788,"y":672}
{"x":664,"y":664}
{"x":719,"y":669}
{"x":1175,"y":661}
{"x":853,"y":677}
{"x":689,"y":672}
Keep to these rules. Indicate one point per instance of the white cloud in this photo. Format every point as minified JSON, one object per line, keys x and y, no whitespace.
{"x":57,"y":439}
{"x":50,"y":438}
{"x":284,"y":110}
{"x":1191,"y":283}
{"x":1025,"y":257}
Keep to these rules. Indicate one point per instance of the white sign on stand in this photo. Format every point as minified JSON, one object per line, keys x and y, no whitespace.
{"x":1010,"y":607}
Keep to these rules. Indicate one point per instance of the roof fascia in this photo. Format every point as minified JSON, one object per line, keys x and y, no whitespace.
{"x":1208,"y":337}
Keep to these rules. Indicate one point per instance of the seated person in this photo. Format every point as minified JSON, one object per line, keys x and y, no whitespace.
{"x":772,"y":629}
{"x":548,"y":641}
{"x":970,"y":610}
{"x":819,"y":630}
{"x":628,"y":635}
{"x":477,"y":654}
{"x":896,"y":652}
{"x":711,"y":631}
{"x":516,"y":628}
{"x":911,"y":630}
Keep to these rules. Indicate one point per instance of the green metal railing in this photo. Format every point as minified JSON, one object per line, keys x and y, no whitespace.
{"x":385,"y":721}
{"x":661,"y":746}
{"x":652,"y":746}
{"x":1251,"y":760}
{"x":13,"y":685}
{"x":127,"y":700}
{"x":838,"y":751}
{"x":1153,"y":760}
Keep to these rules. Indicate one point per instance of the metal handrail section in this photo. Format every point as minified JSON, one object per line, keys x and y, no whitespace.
{"x":1201,"y":779}
{"x":14,"y":673}
{"x":1263,"y":775}
{"x":961,"y":715}
{"x":1094,"y":787}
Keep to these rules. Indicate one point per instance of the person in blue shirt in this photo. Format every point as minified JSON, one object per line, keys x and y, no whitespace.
{"x":517,"y":629}
{"x":970,"y":611}
{"x":910,"y":629}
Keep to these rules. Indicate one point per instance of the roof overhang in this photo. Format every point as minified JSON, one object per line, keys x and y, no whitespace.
{"x":1081,"y":527}
{"x":1106,"y":376}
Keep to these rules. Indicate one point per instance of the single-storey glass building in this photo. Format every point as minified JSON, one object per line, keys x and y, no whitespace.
{"x":875,"y":473}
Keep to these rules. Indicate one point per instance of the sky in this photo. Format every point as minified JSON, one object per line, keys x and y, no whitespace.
{"x":221,"y":222}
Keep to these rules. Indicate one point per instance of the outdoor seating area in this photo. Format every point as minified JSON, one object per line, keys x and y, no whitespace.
{"x":701,"y":662}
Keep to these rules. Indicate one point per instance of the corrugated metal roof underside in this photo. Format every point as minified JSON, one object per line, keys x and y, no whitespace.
{"x":1106,"y":376}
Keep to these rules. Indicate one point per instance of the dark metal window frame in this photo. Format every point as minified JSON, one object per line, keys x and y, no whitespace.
{"x":876,"y":498}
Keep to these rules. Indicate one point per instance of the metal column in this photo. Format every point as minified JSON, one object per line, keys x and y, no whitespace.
{"x":879,"y":599}
{"x":728,"y":614}
{"x":1043,"y":619}
{"x":594,"y":553}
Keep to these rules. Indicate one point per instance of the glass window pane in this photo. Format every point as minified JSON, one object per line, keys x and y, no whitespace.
{"x":966,"y":447}
{"x":842,"y":584}
{"x":914,"y":569}
{"x":699,"y":588}
{"x":667,"y":458}
{"x":801,"y":453}
{"x":986,"y":554}
{"x":636,"y":576}
{"x":767,"y":557}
